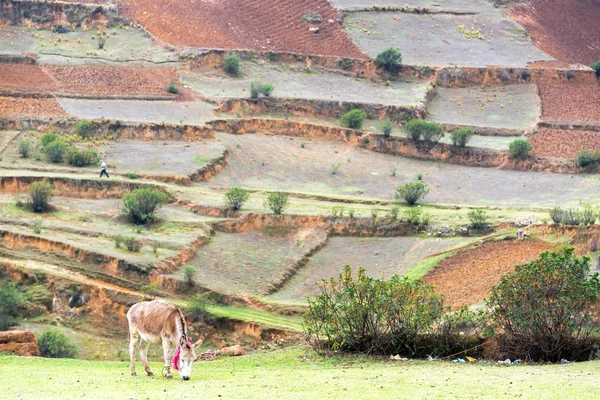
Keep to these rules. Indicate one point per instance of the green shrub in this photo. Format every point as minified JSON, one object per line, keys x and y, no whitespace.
{"x":478,"y":219}
{"x":270,"y":55}
{"x":231,"y":65}
{"x":38,"y":226}
{"x":277,"y":202}
{"x":189,"y":273}
{"x":460,"y":137}
{"x":353,"y":119}
{"x":395,"y":316}
{"x":255,"y":87}
{"x":101,"y":42}
{"x":39,"y":295}
{"x":345,"y":63}
{"x":393,"y":213}
{"x":150,"y":290}
{"x":55,"y":151}
{"x":585,"y":159}
{"x":235,"y":198}
{"x":197,"y":310}
{"x":267,"y":89}
{"x":547,"y":309}
{"x":141,"y":204}
{"x":25,"y":148}
{"x":53,"y":344}
{"x":584,"y":215}
{"x":132,"y":175}
{"x":556,"y":214}
{"x":132,"y":245}
{"x":82,"y":158}
{"x":386,"y":128}
{"x":390,"y":60}
{"x":11,"y":304}
{"x":412,"y":192}
{"x":596,"y":67}
{"x":49,"y":138}
{"x":172,"y":89}
{"x":416,"y":216}
{"x":84,"y":128}
{"x":418,"y":129}
{"x":519,"y":148}
{"x":40,"y":194}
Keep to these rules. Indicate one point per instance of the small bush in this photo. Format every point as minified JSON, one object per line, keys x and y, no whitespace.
{"x":255,"y":87}
{"x":267,"y":89}
{"x":132,"y":245}
{"x":519,"y":148}
{"x":390,"y":60}
{"x":197,"y":309}
{"x":189,"y":273}
{"x":416,"y":216}
{"x":49,"y":138}
{"x":150,"y":290}
{"x":585,"y":159}
{"x":550,"y":321}
{"x":38,"y":226}
{"x":596,"y":67}
{"x":84,"y":128}
{"x":231,"y":65}
{"x":25,"y":148}
{"x":82,"y":158}
{"x":131,"y":175}
{"x":55,"y":151}
{"x":337,"y":211}
{"x":141,"y":204}
{"x":345,"y":63}
{"x":39,"y":295}
{"x":386,"y":128}
{"x":11,"y":304}
{"x":172,"y":89}
{"x":335,"y":168}
{"x":40,"y":194}
{"x":101,"y":42}
{"x":418,"y":129}
{"x":412,"y":192}
{"x":393,"y":213}
{"x":119,"y":241}
{"x":460,"y":137}
{"x":478,"y":219}
{"x":353,"y":119}
{"x":53,"y":344}
{"x":277,"y":202}
{"x":556,"y":215}
{"x":235,"y":198}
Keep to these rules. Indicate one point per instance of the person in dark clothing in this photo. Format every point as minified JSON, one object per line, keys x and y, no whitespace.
{"x":103,"y":167}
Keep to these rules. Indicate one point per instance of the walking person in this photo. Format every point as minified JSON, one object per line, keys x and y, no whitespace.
{"x":103,"y":167}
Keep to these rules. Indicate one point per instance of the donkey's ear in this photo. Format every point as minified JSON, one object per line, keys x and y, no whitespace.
{"x":199,"y":342}
{"x":182,"y":341}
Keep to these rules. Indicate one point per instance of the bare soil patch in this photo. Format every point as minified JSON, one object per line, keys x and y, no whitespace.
{"x":16,"y":106}
{"x":25,"y":77}
{"x":467,"y":277}
{"x":258,"y":25}
{"x":563,"y":143}
{"x":567,"y":29}
{"x":570,"y":102}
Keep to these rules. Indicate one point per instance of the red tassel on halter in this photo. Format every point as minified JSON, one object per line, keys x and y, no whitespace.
{"x":175,"y":360}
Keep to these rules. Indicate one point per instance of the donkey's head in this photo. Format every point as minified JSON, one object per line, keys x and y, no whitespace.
{"x":185,"y":357}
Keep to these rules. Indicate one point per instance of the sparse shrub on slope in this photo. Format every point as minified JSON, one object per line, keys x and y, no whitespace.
{"x":231,"y":65}
{"x":84,"y":128}
{"x":412,"y":192}
{"x":11,"y":304}
{"x":587,"y":159}
{"x":353,"y":119}
{"x":418,"y":129}
{"x":519,"y":148}
{"x":235,"y":198}
{"x":49,"y":138}
{"x":141,"y":204}
{"x":82,"y":158}
{"x":390,"y":60}
{"x":547,"y":309}
{"x":596,"y":67}
{"x":53,"y":344}
{"x":386,"y":128}
{"x":277,"y":202}
{"x":478,"y":219}
{"x":460,"y":137}
{"x":55,"y":151}
{"x":40,"y":194}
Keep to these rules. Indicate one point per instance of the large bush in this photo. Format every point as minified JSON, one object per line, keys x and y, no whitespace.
{"x":547,"y":309}
{"x":40,"y":194}
{"x":49,"y":138}
{"x":141,"y":204}
{"x":478,"y":219}
{"x":277,"y":202}
{"x":519,"y":148}
{"x":55,"y":151}
{"x":53,"y":344}
{"x":395,"y":316}
{"x":84,"y":128}
{"x":82,"y":158}
{"x":353,"y":119}
{"x":412,"y":192}
{"x":11,"y":303}
{"x":235,"y":198}
{"x":460,"y":137}
{"x":390,"y":60}
{"x":587,"y":159}
{"x":231,"y":65}
{"x":418,"y":129}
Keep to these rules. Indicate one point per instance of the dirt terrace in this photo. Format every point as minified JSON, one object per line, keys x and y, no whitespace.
{"x":570,"y":102}
{"x":233,"y":24}
{"x":113,"y":80}
{"x":18,"y":106}
{"x":566,"y":29}
{"x":467,"y":277}
{"x":563,"y":143}
{"x":25,"y":77}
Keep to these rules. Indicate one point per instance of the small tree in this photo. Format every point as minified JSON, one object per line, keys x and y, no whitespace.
{"x":40,"y":194}
{"x":231,"y":65}
{"x":353,"y":119}
{"x":189,"y":274}
{"x":11,"y":303}
{"x":277,"y":202}
{"x":460,"y":137}
{"x":478,"y":219}
{"x":255,"y":87}
{"x":141,"y":204}
{"x":547,"y":309}
{"x":390,"y":60}
{"x":596,"y":67}
{"x":55,"y":151}
{"x":267,"y":89}
{"x":25,"y":148}
{"x":235,"y":198}
{"x":519,"y":148}
{"x":412,"y":192}
{"x":386,"y":128}
{"x":84,"y":128}
{"x":53,"y":344}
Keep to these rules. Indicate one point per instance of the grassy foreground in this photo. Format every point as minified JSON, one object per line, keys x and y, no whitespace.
{"x":297,"y":374}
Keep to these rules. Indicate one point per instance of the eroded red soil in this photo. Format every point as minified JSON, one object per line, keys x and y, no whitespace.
{"x":570,"y":102}
{"x":25,"y":77}
{"x":567,"y":29}
{"x":467,"y":277}
{"x":563,"y":143}
{"x":18,"y":106}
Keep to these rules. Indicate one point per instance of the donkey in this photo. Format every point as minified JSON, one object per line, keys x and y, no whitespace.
{"x":158,"y":321}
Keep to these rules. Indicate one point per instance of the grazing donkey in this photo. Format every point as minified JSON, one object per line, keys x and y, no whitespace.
{"x":158,"y":321}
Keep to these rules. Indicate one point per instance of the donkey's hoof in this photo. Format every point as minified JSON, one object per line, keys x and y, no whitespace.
{"x":150,"y":373}
{"x":169,"y":376}
{"x":133,"y":374}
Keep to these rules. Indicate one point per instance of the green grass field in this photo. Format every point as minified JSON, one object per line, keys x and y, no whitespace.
{"x":298,"y":374}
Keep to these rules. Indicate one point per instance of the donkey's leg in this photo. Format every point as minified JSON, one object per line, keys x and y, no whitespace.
{"x":168,"y":354}
{"x":132,"y":342}
{"x":144,"y":356}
